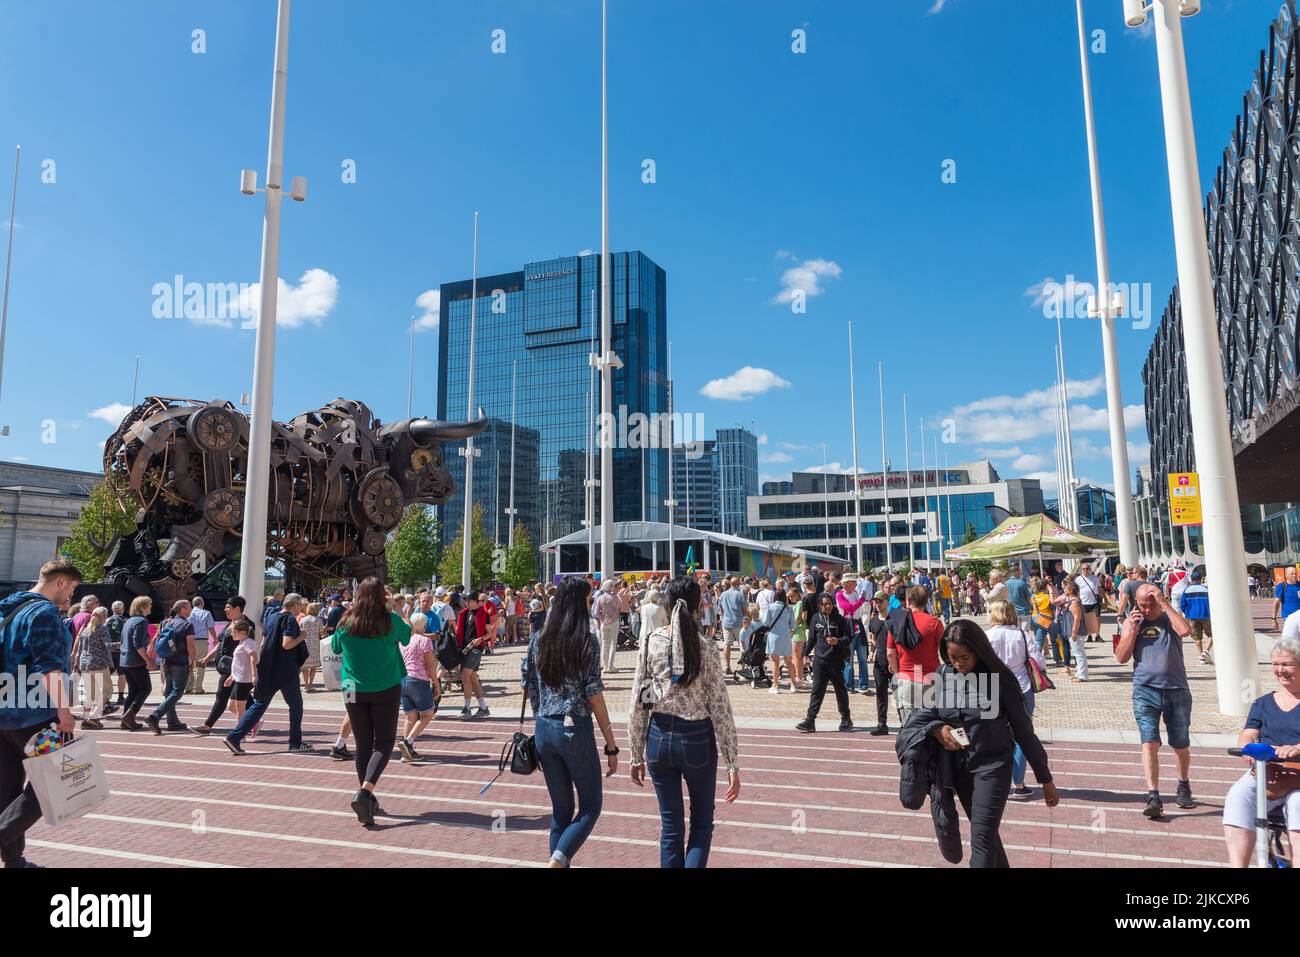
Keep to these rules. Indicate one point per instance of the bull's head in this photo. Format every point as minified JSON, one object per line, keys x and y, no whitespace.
{"x":415,"y":456}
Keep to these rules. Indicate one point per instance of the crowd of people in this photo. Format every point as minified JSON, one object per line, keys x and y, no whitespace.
{"x":905,"y":638}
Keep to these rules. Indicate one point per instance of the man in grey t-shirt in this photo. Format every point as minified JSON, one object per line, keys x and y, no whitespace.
{"x":1128,"y":589}
{"x":1152,"y":637}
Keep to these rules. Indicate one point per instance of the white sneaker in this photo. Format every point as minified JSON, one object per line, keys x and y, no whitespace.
{"x":774,"y":690}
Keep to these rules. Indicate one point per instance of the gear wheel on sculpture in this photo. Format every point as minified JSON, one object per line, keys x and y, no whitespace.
{"x":214,"y":429}
{"x":381,"y":499}
{"x":224,"y":508}
{"x":372,"y":542}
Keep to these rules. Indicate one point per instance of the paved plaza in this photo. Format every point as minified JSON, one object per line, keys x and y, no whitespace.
{"x":807,"y":800}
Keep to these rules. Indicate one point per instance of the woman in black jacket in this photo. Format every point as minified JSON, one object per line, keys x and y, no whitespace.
{"x":976,"y":693}
{"x":830,"y":633}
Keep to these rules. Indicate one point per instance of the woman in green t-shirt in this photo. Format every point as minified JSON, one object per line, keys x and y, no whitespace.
{"x":367,"y":637}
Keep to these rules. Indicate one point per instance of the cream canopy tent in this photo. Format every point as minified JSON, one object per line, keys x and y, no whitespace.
{"x":1026,"y":536}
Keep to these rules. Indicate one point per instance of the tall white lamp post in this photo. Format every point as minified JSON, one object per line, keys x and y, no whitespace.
{"x":252,"y":564}
{"x":1225,"y":553}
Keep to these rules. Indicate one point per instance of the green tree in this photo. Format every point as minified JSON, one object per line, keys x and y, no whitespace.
{"x":415,"y":548}
{"x":480,"y":558}
{"x":101,"y":518}
{"x":521,"y":561}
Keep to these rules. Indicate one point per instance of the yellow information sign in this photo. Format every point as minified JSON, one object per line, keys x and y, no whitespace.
{"x":1184,"y":498}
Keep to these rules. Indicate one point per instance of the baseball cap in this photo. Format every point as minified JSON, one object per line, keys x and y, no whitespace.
{"x":440,"y":592}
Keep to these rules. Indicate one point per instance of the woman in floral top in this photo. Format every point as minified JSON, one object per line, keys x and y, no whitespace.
{"x":561,"y":676}
{"x":90,"y":656}
{"x":679,"y":717}
{"x":309,"y":625}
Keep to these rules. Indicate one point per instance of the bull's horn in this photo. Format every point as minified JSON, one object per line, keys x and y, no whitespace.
{"x":432,"y":431}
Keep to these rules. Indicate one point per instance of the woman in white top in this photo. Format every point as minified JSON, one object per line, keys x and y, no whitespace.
{"x":997,"y":590}
{"x":243,"y":667}
{"x":1014,"y":646}
{"x":679,"y":719}
{"x":653,"y":615}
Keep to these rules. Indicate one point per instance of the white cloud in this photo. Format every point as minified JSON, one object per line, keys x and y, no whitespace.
{"x":775,"y":458}
{"x":807,"y":277}
{"x":113,"y":413}
{"x":762,"y":439}
{"x":581,"y":252}
{"x":937,"y":8}
{"x":1004,"y":419}
{"x":795,"y":448}
{"x":744,"y":384}
{"x":23,"y":458}
{"x":830,"y":467}
{"x":308,"y":302}
{"x":999,"y":453}
{"x":429,"y":303}
{"x":1028,"y":463}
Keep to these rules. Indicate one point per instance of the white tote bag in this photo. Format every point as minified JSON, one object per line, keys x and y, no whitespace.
{"x":331,"y":666}
{"x":68,"y":782}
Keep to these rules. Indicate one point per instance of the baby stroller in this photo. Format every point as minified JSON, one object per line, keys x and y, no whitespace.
{"x":627,"y":635}
{"x":753,"y":659}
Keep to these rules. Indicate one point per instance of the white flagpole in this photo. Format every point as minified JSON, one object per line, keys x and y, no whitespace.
{"x":466,"y":529}
{"x":857,"y":498}
{"x":884,"y":470}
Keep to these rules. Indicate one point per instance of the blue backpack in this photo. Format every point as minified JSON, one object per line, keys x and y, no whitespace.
{"x":164,"y":645}
{"x":1196,"y":605}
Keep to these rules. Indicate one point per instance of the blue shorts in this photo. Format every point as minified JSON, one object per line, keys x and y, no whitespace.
{"x":1174,"y":704}
{"x":417,"y":695}
{"x":472,"y":660}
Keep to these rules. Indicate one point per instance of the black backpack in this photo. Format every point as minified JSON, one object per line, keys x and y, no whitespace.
{"x":446,"y":650}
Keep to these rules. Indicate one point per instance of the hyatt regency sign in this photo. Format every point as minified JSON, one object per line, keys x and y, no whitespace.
{"x":557,"y":274}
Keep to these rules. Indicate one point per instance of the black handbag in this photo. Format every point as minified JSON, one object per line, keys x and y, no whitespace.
{"x":519,"y":753}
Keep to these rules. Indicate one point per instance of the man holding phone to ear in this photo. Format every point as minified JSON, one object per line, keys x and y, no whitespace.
{"x":1152,"y":636}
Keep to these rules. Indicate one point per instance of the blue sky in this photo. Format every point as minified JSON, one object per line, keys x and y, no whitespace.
{"x":774,"y":169}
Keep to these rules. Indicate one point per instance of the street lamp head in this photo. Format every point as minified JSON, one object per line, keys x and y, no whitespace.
{"x":1135,"y":13}
{"x":1189,"y":8}
{"x":248,"y":181}
{"x":298,"y":188}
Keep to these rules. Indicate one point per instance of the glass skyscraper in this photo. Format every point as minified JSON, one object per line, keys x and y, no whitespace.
{"x":737,"y":478}
{"x":543,"y":322}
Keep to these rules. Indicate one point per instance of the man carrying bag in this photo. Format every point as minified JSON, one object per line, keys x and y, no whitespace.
{"x":34,"y":649}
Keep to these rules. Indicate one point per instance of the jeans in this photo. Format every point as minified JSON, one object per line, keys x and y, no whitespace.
{"x":569,"y":763}
{"x":824,"y":670}
{"x":1018,"y":756}
{"x":19,"y":808}
{"x":1173,"y":704}
{"x":291,"y":691}
{"x":173,"y":688}
{"x":857,"y":650}
{"x":945,"y":606}
{"x":1059,"y":646}
{"x":1080,"y":655}
{"x":677,"y":749}
{"x":374,"y":729}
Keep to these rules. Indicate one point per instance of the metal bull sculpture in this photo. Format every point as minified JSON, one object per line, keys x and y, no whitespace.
{"x":340,"y":481}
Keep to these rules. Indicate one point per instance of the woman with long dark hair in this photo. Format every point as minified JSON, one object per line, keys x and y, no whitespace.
{"x":561,"y":676}
{"x":367,"y":637}
{"x":976,"y":710}
{"x":679,"y":718}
